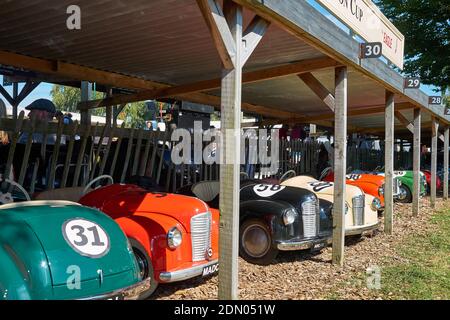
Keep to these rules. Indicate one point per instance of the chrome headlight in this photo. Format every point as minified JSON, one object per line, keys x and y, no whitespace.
{"x":289,"y":217}
{"x":376,"y":204}
{"x":381,"y":190}
{"x":174,"y":238}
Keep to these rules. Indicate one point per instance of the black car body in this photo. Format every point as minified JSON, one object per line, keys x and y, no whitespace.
{"x":273,"y":218}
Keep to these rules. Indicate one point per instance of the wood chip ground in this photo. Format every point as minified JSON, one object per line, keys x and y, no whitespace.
{"x":301,"y":275}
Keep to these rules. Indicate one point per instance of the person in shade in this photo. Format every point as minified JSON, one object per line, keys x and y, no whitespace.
{"x":43,"y":110}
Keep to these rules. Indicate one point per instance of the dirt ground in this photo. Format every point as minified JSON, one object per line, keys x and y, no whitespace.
{"x":301,"y":275}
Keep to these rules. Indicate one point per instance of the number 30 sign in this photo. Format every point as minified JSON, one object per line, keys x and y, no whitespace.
{"x":371,"y":50}
{"x":86,"y":237}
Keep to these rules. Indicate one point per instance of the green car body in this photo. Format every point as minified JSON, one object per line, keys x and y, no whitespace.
{"x":407,"y":182}
{"x":43,"y":253}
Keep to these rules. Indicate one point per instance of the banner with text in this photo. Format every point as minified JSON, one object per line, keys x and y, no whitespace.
{"x":363,"y":17}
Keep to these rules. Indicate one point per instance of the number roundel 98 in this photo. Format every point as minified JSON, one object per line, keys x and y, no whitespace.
{"x":86,"y":237}
{"x":267,"y":190}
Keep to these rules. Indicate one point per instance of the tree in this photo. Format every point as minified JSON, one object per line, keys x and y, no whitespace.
{"x":134,"y":115}
{"x":426,"y":26}
{"x":67,"y":98}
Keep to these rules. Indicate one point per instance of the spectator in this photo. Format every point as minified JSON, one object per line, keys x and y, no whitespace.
{"x":283,"y":132}
{"x":42,"y":110}
{"x":297,"y":132}
{"x":68,"y":118}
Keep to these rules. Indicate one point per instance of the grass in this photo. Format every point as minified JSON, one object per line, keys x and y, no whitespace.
{"x":426,"y":273}
{"x":421,"y":273}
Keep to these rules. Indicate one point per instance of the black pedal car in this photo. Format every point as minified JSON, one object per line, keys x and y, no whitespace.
{"x":273,"y":218}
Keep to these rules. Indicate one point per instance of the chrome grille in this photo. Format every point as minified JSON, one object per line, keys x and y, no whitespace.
{"x":200,"y":236}
{"x":396,"y":186}
{"x":358,"y":209}
{"x":310,"y":218}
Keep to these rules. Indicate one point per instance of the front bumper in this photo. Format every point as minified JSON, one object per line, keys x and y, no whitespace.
{"x":351,"y":231}
{"x":128,"y":293}
{"x":185,"y":274}
{"x":303,"y":244}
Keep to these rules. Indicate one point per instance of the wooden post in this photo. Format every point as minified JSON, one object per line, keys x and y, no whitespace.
{"x":234,"y":48}
{"x":15,"y":104}
{"x":434,"y":138}
{"x":340,"y":161}
{"x":109,"y":112}
{"x":416,"y":161}
{"x":446,"y":162}
{"x":230,"y":169}
{"x":389,"y":164}
{"x":85,"y":95}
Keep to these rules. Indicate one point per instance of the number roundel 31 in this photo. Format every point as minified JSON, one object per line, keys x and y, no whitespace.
{"x":86,"y":237}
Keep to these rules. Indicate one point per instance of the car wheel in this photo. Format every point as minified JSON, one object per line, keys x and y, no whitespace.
{"x":145,"y":267}
{"x":255,"y":242}
{"x":407,"y":198}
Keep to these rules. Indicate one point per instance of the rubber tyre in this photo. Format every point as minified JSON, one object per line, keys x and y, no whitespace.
{"x":408,"y":198}
{"x":145,"y":266}
{"x":269,"y":252}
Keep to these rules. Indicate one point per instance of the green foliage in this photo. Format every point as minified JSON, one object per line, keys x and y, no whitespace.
{"x":134,"y":115}
{"x":426,"y":26}
{"x":66,"y":99}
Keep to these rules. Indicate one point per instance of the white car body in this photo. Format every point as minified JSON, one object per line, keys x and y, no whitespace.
{"x":358,"y":218}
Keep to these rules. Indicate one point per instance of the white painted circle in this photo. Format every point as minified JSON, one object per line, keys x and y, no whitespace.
{"x":86,"y":237}
{"x":267,"y":190}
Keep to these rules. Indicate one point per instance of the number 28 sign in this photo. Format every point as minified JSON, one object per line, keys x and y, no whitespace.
{"x":86,"y":237}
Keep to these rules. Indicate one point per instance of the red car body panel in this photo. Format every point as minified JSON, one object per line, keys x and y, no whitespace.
{"x":369,"y":183}
{"x":148,"y":216}
{"x":428,"y":177}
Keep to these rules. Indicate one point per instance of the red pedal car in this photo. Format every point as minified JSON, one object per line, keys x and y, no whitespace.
{"x":173,"y":237}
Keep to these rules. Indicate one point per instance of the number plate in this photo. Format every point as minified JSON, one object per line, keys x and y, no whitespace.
{"x":318,"y":246}
{"x":210,"y":269}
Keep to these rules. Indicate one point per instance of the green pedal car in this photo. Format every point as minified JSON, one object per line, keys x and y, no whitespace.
{"x":62,"y":250}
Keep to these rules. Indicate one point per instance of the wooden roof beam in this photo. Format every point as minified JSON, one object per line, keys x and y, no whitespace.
{"x":218,"y":27}
{"x":207,"y":85}
{"x":319,"y":89}
{"x":80,"y":73}
{"x":400,"y":117}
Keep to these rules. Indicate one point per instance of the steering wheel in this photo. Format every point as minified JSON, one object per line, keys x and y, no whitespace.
{"x":244,"y":176}
{"x":287,"y":175}
{"x":324,"y":173}
{"x":90,"y":184}
{"x":7,"y":197}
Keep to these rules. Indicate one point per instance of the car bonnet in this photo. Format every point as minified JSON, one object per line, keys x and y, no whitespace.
{"x":57,"y":225}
